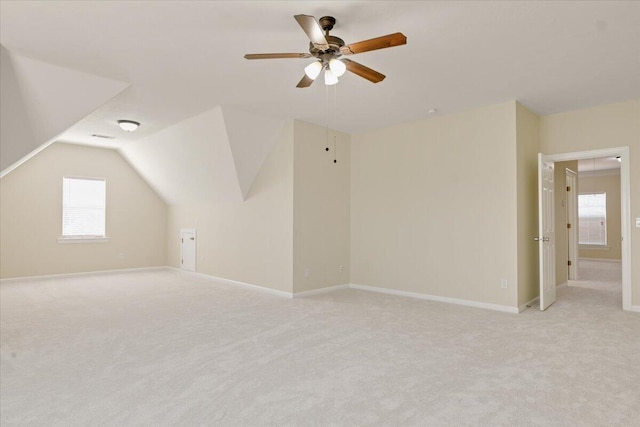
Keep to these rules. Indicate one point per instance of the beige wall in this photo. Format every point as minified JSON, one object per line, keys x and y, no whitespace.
{"x":434,"y":206}
{"x":560,"y":215}
{"x":610,"y":184}
{"x":31,"y":216}
{"x":528,"y":146}
{"x":250,"y":241}
{"x":613,"y":125}
{"x":320,"y":208}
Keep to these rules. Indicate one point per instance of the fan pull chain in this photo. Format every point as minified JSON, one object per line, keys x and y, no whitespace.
{"x":335,"y":103}
{"x":327,"y":129}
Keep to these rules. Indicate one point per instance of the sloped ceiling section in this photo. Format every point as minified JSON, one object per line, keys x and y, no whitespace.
{"x":39,"y":101}
{"x":189,"y":162}
{"x":212,"y":157}
{"x":251,"y":139}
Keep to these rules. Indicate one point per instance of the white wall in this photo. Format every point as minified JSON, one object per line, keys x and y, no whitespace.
{"x":31,"y":216}
{"x":249,"y":241}
{"x":434,"y":206}
{"x":321,"y":208}
{"x":528,"y":146}
{"x":605,"y":126}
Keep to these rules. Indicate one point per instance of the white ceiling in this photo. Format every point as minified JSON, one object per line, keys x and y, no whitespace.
{"x":599,"y":164}
{"x":183,"y":58}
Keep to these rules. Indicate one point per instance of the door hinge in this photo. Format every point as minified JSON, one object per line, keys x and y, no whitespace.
{"x":568,"y":188}
{"x":569,"y":262}
{"x":181,"y":240}
{"x":181,"y":261}
{"x":568,"y":225}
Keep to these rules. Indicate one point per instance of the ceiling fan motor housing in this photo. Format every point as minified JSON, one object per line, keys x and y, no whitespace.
{"x":335,"y":43}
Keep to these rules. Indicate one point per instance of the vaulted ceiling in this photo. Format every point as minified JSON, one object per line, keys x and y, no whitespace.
{"x":168,"y":62}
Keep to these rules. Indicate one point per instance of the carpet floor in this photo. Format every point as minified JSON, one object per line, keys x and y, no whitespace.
{"x":160,"y":348}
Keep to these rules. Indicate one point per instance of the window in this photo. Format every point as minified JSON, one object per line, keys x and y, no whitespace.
{"x":83,"y":207}
{"x":592,"y":219}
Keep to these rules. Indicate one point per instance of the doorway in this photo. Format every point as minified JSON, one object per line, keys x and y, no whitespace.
{"x":572,"y":223}
{"x":188,"y":249}
{"x":620,"y":156}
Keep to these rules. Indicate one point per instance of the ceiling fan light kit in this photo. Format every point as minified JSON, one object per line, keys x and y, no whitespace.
{"x":329,"y":77}
{"x":337,"y":67}
{"x":329,"y":49}
{"x":313,"y":70}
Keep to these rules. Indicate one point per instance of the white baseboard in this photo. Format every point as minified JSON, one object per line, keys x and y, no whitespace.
{"x":635,"y":308}
{"x":468,"y":303}
{"x":81,"y":273}
{"x":529,"y":304}
{"x":236,"y":283}
{"x":319,"y":291}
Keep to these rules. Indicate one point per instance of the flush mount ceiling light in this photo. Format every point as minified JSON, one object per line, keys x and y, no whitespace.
{"x":328,"y":50}
{"x":128,"y":125}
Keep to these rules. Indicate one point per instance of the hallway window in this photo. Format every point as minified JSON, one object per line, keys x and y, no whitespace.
{"x":592,"y":216}
{"x":83,"y":207}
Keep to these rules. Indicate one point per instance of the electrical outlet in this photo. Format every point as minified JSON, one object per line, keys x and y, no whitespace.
{"x":637,"y":222}
{"x":342,"y":268}
{"x":503,"y":283}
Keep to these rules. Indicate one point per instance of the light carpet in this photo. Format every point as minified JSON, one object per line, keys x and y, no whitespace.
{"x":165,"y":348}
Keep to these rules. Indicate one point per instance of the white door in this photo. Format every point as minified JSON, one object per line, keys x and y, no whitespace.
{"x":188,"y":249}
{"x":572,"y":219}
{"x":546,"y":236}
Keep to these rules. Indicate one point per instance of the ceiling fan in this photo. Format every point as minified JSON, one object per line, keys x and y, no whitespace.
{"x":329,"y":49}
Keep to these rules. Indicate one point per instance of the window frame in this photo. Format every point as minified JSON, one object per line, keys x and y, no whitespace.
{"x":605,"y":244}
{"x":83,"y":238}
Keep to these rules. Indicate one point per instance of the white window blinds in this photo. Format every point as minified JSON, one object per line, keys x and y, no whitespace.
{"x":83,"y":207}
{"x":592,"y":215}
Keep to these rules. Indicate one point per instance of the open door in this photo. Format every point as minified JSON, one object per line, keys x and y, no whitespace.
{"x":546,"y":233}
{"x":572,"y":221}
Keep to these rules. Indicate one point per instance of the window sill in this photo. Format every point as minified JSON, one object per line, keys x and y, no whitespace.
{"x":594,"y":247}
{"x":66,"y":240}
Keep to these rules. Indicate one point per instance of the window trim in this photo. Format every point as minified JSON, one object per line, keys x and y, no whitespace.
{"x":595,"y":246}
{"x":87,"y":238}
{"x":80,"y":239}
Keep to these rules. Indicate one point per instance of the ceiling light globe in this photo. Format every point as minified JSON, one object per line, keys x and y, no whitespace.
{"x":337,"y":67}
{"x":330,"y":78}
{"x":128,"y":125}
{"x":313,"y":70}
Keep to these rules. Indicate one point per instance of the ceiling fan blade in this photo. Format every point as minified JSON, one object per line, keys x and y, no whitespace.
{"x":306,"y":81}
{"x":276,"y":55}
{"x":365,"y":72}
{"x":390,"y":40}
{"x":311,"y":27}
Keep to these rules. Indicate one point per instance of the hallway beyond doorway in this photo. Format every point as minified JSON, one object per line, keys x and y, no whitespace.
{"x":600,"y":283}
